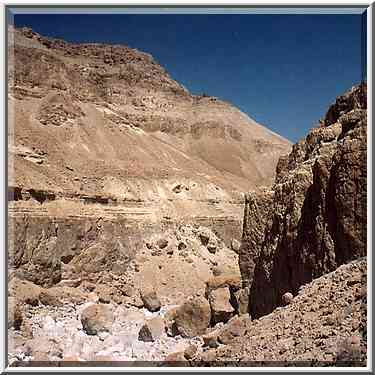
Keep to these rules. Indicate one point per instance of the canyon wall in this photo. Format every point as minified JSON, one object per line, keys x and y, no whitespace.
{"x":314,"y":217}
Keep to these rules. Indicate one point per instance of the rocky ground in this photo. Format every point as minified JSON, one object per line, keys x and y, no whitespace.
{"x":324,"y":325}
{"x":179,"y":284}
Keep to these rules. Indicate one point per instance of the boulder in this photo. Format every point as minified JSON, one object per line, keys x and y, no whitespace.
{"x":193,"y":317}
{"x":24,"y":291}
{"x":233,"y":282}
{"x":190,"y":352}
{"x":211,"y":339}
{"x":150,"y":299}
{"x":97,"y":318}
{"x":57,"y":296}
{"x":221,"y":309}
{"x":152,"y":329}
{"x":287,"y":298}
{"x":235,"y":245}
{"x":242,"y":300}
{"x":236,"y":327}
{"x":15,"y":316}
{"x":176,"y":359}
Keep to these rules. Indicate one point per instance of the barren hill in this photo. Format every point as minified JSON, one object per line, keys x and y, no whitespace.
{"x":106,"y":151}
{"x":93,"y":119}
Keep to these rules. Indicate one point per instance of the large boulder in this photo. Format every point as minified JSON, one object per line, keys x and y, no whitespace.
{"x":24,"y":291}
{"x":97,"y":318}
{"x":221,"y":308}
{"x":150,"y":299}
{"x":193,"y":317}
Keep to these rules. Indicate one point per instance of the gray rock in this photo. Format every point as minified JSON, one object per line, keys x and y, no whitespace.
{"x":152,"y":330}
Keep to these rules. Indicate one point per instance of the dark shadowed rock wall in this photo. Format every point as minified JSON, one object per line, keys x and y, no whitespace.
{"x":314,"y":217}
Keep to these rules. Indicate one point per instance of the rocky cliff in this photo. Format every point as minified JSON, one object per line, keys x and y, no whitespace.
{"x":314,"y":217}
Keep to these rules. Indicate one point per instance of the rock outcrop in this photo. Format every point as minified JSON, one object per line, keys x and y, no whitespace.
{"x":314,"y":218}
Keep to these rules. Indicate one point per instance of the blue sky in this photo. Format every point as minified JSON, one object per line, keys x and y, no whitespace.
{"x":282,"y":70}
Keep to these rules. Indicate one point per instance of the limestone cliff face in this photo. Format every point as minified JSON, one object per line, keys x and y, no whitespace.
{"x":314,"y":218}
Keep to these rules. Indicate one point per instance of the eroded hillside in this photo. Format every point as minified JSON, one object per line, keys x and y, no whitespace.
{"x":105,"y":149}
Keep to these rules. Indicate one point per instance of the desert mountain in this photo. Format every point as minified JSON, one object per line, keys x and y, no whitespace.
{"x":105,"y":149}
{"x":102,"y":120}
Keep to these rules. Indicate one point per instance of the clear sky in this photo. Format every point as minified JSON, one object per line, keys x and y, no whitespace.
{"x":282,"y":70}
